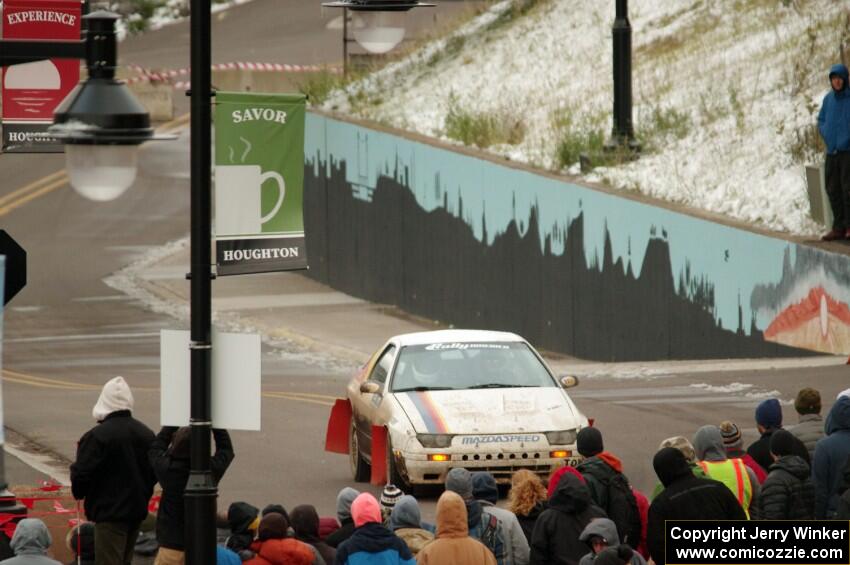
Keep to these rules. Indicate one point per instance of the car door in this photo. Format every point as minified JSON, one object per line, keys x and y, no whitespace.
{"x":369,"y":403}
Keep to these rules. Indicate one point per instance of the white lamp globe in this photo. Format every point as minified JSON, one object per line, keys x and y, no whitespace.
{"x":101,"y":172}
{"x":379,"y":32}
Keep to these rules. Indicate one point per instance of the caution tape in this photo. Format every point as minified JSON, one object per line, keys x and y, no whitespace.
{"x":168,"y":75}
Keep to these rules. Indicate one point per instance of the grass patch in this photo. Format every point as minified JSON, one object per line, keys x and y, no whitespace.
{"x":482,"y":128}
{"x":517,"y":9}
{"x":317,"y":86}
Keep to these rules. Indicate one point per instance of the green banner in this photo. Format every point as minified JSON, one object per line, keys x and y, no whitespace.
{"x":259,"y":182}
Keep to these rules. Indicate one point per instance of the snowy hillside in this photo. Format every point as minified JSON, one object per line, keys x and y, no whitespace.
{"x":726,"y":95}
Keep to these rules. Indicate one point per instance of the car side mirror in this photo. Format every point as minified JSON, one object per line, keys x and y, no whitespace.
{"x":568,"y":381}
{"x":369,"y":387}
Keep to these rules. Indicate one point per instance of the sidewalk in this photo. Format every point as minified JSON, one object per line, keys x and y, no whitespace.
{"x":288,"y":309}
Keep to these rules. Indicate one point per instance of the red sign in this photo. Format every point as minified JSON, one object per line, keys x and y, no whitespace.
{"x":31,"y":91}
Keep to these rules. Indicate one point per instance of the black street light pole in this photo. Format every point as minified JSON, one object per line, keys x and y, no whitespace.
{"x":201,"y":491}
{"x":623,"y":133}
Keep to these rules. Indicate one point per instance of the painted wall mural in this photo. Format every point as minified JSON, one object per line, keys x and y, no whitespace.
{"x":474,"y":243}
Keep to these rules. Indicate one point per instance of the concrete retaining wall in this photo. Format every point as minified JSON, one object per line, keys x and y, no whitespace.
{"x":478,"y":243}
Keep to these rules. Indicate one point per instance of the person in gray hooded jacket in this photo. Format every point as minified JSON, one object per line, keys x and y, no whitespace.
{"x":709,"y":449}
{"x":406,"y":523}
{"x":30,"y":544}
{"x":343,"y":512}
{"x":599,"y":534}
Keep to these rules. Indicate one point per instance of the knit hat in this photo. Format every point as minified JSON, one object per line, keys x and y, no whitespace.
{"x":272,"y":526}
{"x":343,"y":502}
{"x":389,"y":496}
{"x":782,"y":443}
{"x":459,"y":480}
{"x":365,"y":509}
{"x":275,"y":508}
{"x":589,"y":442}
{"x":807,"y":401}
{"x":731,"y":435}
{"x":682,"y":444}
{"x":114,"y":397}
{"x":670,"y":464}
{"x":484,"y":487}
{"x":769,"y":414}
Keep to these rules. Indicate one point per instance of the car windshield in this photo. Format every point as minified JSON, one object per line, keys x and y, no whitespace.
{"x":452,"y":366}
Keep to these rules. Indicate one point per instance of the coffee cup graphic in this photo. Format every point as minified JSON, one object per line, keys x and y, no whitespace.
{"x":238,"y":199}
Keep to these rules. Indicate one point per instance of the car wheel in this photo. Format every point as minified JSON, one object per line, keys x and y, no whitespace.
{"x":393,"y":475}
{"x":360,"y":470}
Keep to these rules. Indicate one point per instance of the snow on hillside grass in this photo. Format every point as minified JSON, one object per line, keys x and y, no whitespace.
{"x":726,"y":95}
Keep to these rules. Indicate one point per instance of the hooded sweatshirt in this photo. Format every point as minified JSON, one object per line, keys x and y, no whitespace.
{"x":453,"y":544}
{"x":685,"y":497}
{"x":708,"y":446}
{"x":607,"y":530}
{"x":834,"y":116}
{"x":831,"y":453}
{"x":600,"y":472}
{"x":112,"y":471}
{"x":343,"y":512}
{"x":555,"y":539}
{"x":406,"y":523}
{"x":371,"y":543}
{"x":30,"y":544}
{"x":516,"y":550}
{"x":305,"y":522}
{"x":116,"y":395}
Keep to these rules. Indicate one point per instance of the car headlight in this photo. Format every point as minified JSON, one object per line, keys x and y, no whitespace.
{"x":434,"y":440}
{"x":563,"y":437}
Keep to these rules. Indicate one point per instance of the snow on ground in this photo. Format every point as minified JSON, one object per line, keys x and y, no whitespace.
{"x":745,"y":77}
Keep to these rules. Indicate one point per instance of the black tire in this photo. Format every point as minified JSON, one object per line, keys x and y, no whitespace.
{"x":393,"y":475}
{"x":360,"y":470}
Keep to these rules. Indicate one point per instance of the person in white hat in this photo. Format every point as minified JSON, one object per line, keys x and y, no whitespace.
{"x":112,"y":474}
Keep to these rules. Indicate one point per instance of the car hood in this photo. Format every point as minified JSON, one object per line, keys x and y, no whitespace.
{"x":489,"y":411}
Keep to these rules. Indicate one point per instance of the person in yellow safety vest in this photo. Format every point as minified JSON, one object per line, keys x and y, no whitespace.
{"x":738,"y":478}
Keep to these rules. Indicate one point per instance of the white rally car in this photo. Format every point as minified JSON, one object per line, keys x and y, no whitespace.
{"x":427,"y":402}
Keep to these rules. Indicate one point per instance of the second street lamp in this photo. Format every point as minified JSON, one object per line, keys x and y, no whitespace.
{"x":379,"y":27}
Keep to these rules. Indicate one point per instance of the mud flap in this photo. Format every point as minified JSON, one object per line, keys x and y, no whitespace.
{"x":379,"y":455}
{"x":339,"y":423}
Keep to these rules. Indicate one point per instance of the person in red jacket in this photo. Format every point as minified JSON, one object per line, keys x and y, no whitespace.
{"x":274,"y":548}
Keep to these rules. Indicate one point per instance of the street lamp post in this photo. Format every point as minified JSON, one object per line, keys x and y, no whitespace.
{"x":622,"y":133}
{"x":201,"y":491}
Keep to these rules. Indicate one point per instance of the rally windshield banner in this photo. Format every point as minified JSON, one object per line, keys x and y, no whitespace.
{"x":259,"y":182}
{"x":31,"y":91}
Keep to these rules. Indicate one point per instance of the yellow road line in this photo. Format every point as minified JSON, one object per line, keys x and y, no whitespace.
{"x":58,"y":179}
{"x":33,"y":195}
{"x":44,"y":382}
{"x":31,"y":186}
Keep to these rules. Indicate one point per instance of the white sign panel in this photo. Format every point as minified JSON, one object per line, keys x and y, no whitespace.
{"x":236,"y":391}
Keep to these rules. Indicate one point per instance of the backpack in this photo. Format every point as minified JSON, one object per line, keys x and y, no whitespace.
{"x":623,"y":509}
{"x":489,"y":533}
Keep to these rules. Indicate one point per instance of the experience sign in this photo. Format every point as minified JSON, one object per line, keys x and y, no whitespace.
{"x":31,"y":91}
{"x":259,"y":182}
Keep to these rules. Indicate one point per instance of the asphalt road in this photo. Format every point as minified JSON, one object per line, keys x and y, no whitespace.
{"x":68,"y":332}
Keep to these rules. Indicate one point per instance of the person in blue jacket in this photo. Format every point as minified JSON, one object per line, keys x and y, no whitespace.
{"x":371,"y":543}
{"x":831,"y":454}
{"x":834,"y":127}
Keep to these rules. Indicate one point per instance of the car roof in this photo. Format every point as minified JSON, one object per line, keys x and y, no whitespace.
{"x":461,"y":336}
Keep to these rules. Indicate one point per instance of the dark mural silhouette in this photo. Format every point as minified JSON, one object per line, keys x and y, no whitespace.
{"x":391,"y":250}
